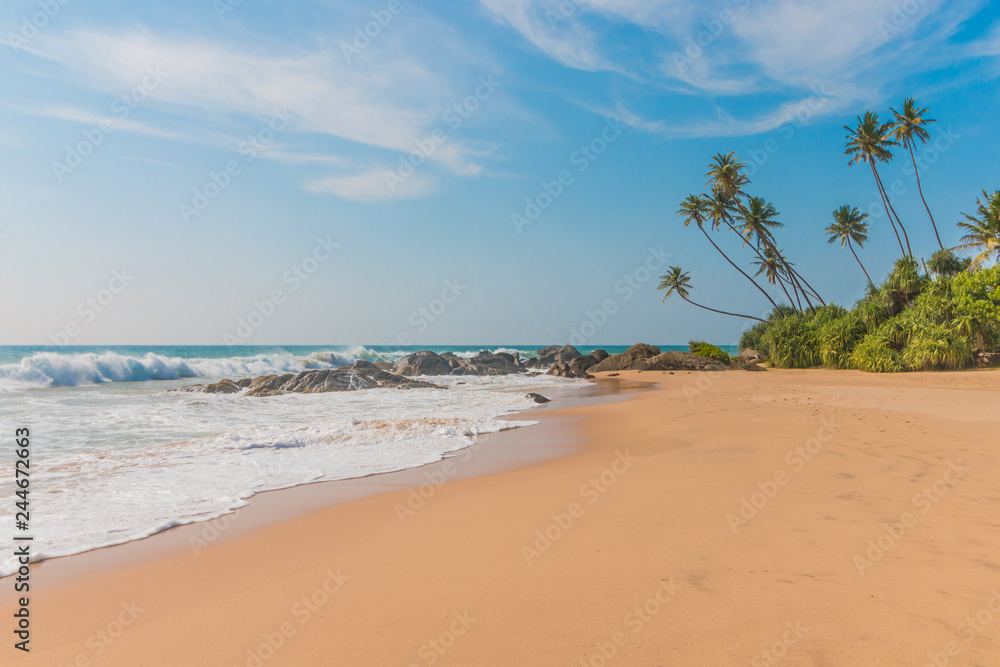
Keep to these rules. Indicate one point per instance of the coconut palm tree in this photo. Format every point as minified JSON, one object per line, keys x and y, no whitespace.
{"x":726,"y":174}
{"x":679,"y":282}
{"x":907,"y":128}
{"x":773,"y":266}
{"x":869,"y":142}
{"x":983,"y":229}
{"x":698,"y":209}
{"x":849,"y":227}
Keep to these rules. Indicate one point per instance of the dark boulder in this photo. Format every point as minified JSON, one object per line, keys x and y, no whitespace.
{"x":625,"y":360}
{"x":423,"y":362}
{"x":538,"y":398}
{"x":489,"y":363}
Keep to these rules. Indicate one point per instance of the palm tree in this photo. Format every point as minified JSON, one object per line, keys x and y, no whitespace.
{"x":726,"y":174}
{"x":869,"y":142}
{"x":679,"y":282}
{"x":984,"y":229}
{"x":849,"y":227}
{"x":696,"y":209}
{"x":773,"y":266}
{"x":908,"y":127}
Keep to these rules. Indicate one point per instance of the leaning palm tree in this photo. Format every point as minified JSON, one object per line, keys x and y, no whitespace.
{"x":772,"y":264}
{"x":869,"y":142}
{"x":983,"y":230}
{"x":849,"y":227}
{"x":679,"y":282}
{"x":727,"y":175}
{"x":907,"y":128}
{"x":698,"y":209}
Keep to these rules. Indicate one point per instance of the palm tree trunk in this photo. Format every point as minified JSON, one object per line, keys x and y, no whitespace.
{"x":885,"y":206}
{"x":796,"y":287}
{"x":920,"y":189}
{"x":745,"y":275}
{"x":892,"y":209}
{"x":811,"y":288}
{"x":859,"y":263}
{"x":721,"y":312}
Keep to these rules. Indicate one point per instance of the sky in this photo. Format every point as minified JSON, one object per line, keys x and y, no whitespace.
{"x":480,"y":172}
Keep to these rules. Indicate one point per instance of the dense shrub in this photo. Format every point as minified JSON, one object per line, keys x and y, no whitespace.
{"x":709,"y":350}
{"x":874,"y":354}
{"x":791,"y":342}
{"x":910,"y":322}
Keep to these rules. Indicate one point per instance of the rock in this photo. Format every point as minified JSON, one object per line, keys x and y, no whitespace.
{"x":740,"y":364}
{"x":677,"y":361}
{"x":988,"y":359}
{"x":538,"y":398}
{"x":361,"y":375}
{"x":751,"y":355}
{"x":625,"y":360}
{"x":554,"y":354}
{"x":600,"y":355}
{"x":223,"y":387}
{"x":489,"y":363}
{"x":423,"y":362}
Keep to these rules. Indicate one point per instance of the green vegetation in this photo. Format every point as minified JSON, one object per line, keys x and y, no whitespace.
{"x":942,"y":313}
{"x":709,"y":350}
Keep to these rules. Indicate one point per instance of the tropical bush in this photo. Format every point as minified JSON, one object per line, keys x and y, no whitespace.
{"x":709,"y":350}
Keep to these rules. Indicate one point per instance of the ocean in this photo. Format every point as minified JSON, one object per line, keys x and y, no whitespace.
{"x":117,"y":456}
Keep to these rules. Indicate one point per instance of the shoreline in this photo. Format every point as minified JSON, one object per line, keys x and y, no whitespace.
{"x":522,"y":446}
{"x":622,"y":549}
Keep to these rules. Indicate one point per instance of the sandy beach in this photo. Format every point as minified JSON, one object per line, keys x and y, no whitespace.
{"x":786,"y":517}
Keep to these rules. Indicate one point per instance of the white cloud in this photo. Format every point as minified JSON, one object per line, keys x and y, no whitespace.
{"x":378,"y":103}
{"x":373,"y":185}
{"x":746,"y":47}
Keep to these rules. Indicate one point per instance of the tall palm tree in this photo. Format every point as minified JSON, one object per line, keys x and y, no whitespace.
{"x":869,"y":142}
{"x":773,"y":266}
{"x":679,"y":282}
{"x":698,"y":209}
{"x":907,"y":128}
{"x":849,"y":227}
{"x":983,"y":229}
{"x":727,"y":174}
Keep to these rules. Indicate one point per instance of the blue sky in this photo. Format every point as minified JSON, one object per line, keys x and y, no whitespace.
{"x":229,"y":158}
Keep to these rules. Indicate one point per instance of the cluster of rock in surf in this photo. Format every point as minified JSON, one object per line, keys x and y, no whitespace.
{"x":565,"y":361}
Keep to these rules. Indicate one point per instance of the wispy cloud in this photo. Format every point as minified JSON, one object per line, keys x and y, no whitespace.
{"x":373,"y":186}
